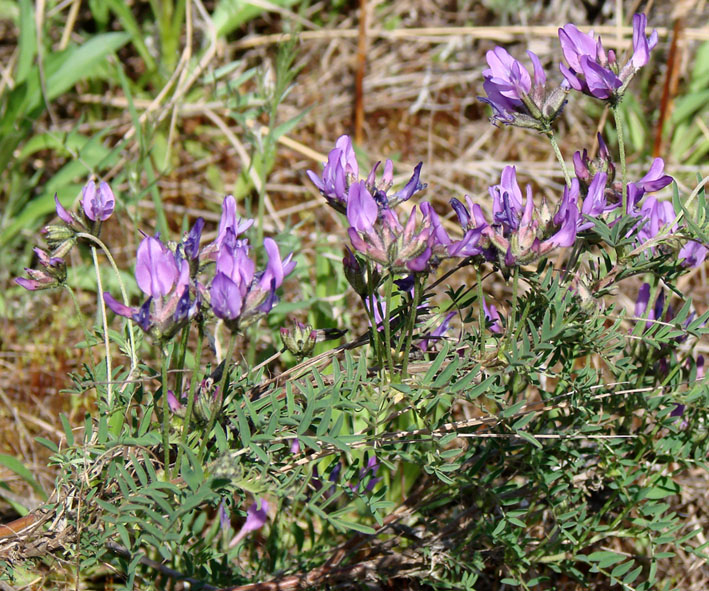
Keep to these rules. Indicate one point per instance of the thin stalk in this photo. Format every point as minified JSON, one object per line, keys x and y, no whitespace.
{"x":215,"y":409}
{"x":106,"y":343}
{"x":165,"y":412}
{"x":513,"y":315}
{"x":181,"y":354}
{"x":559,"y":157}
{"x":621,"y":150}
{"x":124,"y":295}
{"x":190,"y":399}
{"x":481,"y":315}
{"x":387,"y":320}
{"x":418,"y":288}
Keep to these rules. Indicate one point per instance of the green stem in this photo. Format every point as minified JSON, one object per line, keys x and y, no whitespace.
{"x":559,"y":157}
{"x":181,"y":354}
{"x":418,"y":288}
{"x":190,"y":399}
{"x":513,"y":310}
{"x":216,"y":407}
{"x":106,"y":343}
{"x":621,"y":150}
{"x":481,"y":315}
{"x":124,"y":296}
{"x":387,"y":320}
{"x":165,"y":411}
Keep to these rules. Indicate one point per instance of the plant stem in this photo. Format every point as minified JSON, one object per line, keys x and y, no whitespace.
{"x":190,"y":399}
{"x":181,"y":354}
{"x":621,"y":151}
{"x":418,"y":288}
{"x":216,"y":407}
{"x":165,"y":411}
{"x":124,"y":296}
{"x":387,"y":320}
{"x":482,"y":321}
{"x":559,"y":157}
{"x":107,"y":346}
{"x":513,"y":311}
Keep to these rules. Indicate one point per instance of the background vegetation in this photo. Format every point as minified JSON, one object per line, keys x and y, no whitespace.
{"x":178,"y":102}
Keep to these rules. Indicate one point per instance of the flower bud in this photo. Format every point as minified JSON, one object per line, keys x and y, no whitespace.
{"x":300,"y":340}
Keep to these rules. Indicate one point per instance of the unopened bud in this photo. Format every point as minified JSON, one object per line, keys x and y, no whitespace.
{"x":300,"y":340}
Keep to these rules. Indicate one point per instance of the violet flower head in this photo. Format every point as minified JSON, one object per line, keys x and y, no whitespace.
{"x":361,"y":208}
{"x":98,"y":203}
{"x":595,"y":203}
{"x":438,"y":332}
{"x":155,"y":269}
{"x":586,"y":168}
{"x":238,"y":294}
{"x":516,"y":98}
{"x":340,"y":171}
{"x":190,"y":244}
{"x":256,"y":518}
{"x":692,"y":254}
{"x":53,"y":274}
{"x":492,"y":317}
{"x":225,"y":297}
{"x":594,"y":71}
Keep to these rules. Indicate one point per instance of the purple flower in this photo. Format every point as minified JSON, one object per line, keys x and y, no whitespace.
{"x":654,"y":180}
{"x":225,"y":297}
{"x":339,"y":172}
{"x":371,"y":468}
{"x":227,"y":222}
{"x":63,"y":214}
{"x":156,"y":268}
{"x":593,"y":71}
{"x":361,"y":208}
{"x":514,"y":98}
{"x":595,"y":203}
{"x":53,"y":275}
{"x":399,"y":248}
{"x":98,"y":204}
{"x":492,"y":317}
{"x":295,"y":446}
{"x":256,"y":517}
{"x":173,"y":403}
{"x":586,"y":169}
{"x":190,"y":244}
{"x":641,"y":305}
{"x":437,"y":332}
{"x":657,"y":214}
{"x":413,"y":186}
{"x":224,"y":519}
{"x":238,"y":294}
{"x":692,"y":254}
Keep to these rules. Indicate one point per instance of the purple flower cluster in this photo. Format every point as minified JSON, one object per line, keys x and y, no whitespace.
{"x":519,"y":233}
{"x":515,"y":97}
{"x":523,"y":100}
{"x":98,"y":204}
{"x":375,"y":229}
{"x":170,"y":278}
{"x":594,"y":71}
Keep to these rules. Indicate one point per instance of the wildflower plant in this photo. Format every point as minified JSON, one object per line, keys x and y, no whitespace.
{"x":467,"y":437}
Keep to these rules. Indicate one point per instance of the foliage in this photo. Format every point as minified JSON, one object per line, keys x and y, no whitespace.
{"x":449,"y":444}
